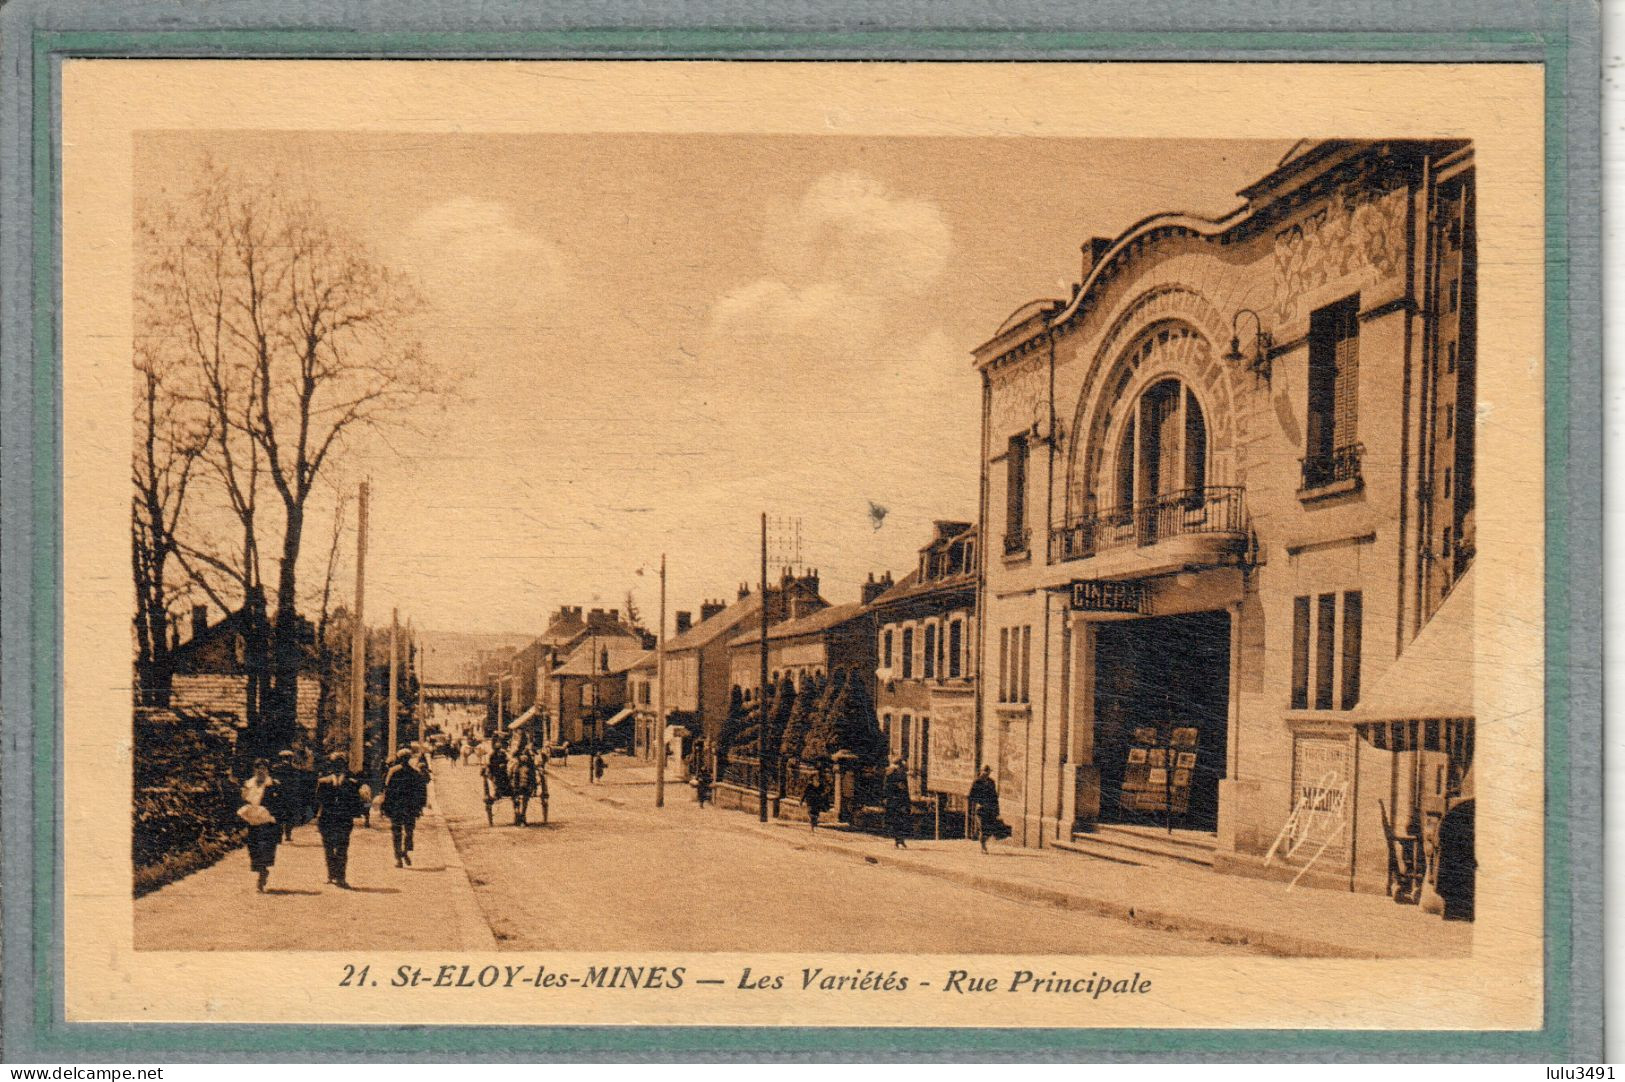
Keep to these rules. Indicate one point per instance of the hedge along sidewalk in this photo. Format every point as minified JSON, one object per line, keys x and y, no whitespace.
{"x":430,"y":905}
{"x":1305,"y":922}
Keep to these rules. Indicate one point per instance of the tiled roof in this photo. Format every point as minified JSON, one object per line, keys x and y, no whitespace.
{"x":706,"y":631}
{"x":583,"y":661}
{"x":911,"y":586}
{"x":822,"y":620}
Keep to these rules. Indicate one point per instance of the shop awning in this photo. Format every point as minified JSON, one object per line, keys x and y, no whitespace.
{"x":1433,"y":679}
{"x":523,"y":719}
{"x":622,"y":716}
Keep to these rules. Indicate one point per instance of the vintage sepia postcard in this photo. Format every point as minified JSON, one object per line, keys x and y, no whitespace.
{"x":643,"y":543}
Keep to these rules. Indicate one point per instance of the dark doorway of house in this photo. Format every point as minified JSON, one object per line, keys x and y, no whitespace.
{"x":1156,"y":679}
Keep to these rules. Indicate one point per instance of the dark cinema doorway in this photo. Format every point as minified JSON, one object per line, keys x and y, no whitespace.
{"x":1156,"y":679}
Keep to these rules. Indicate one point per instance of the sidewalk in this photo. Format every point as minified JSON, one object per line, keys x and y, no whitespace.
{"x":1260,"y":913}
{"x":429,"y":905}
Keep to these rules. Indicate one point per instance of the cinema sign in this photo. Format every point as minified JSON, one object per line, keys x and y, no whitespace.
{"x":1096,"y":595}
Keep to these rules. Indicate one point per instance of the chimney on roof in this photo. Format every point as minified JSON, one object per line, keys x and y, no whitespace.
{"x":649,"y":639}
{"x":875,"y":587}
{"x":744,"y":590}
{"x":1093,"y":249}
{"x":200,"y":620}
{"x":601,"y":619}
{"x":685,"y":620}
{"x":710,"y":608}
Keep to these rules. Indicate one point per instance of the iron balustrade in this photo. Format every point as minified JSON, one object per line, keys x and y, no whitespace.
{"x":1340,"y":464}
{"x":1213,"y":509}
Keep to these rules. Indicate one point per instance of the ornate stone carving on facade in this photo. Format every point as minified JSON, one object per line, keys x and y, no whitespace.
{"x":1357,"y":235}
{"x":1020,"y":394}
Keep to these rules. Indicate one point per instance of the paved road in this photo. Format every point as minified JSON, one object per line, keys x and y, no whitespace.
{"x":623,"y":876}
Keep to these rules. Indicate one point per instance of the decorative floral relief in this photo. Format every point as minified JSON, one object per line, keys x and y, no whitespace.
{"x":1356,"y":235}
{"x":1020,"y":396}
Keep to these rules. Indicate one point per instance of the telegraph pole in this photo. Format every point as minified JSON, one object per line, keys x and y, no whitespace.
{"x":761,"y":697}
{"x":660,"y":695}
{"x":358,"y":645}
{"x":394,"y":679}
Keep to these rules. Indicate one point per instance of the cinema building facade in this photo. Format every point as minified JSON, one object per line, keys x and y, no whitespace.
{"x":1227,"y":514}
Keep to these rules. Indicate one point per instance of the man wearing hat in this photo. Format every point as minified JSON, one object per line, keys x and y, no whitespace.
{"x":406,"y":791}
{"x":338,"y":802}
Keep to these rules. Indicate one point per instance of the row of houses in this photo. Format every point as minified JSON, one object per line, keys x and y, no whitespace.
{"x":1221,"y":576}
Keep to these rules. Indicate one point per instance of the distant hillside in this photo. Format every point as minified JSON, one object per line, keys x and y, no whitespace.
{"x":448,"y":655}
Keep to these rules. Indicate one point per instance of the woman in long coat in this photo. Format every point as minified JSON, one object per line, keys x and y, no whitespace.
{"x":260,"y":791}
{"x":899,"y":805}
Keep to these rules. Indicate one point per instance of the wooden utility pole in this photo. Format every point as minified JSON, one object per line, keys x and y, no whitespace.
{"x":358,"y":645}
{"x":660,"y":695}
{"x":394,"y":679}
{"x":761,"y":696}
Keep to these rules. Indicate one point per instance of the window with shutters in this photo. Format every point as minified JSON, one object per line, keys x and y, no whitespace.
{"x":929,"y":670}
{"x":908,"y":653}
{"x":1333,"y":451}
{"x":956,"y":634}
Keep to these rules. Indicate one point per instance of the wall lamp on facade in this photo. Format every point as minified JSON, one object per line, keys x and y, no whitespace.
{"x":1259,"y":362}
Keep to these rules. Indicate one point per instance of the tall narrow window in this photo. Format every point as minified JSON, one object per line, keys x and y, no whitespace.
{"x":908,"y":653}
{"x":1004,"y":664}
{"x":925,"y":748}
{"x":1352,"y":614}
{"x":907,"y":735}
{"x":1015,"y":512}
{"x":1195,"y":447}
{"x":956,"y":646}
{"x":1332,"y":453}
{"x":1026,"y":663}
{"x":1325,"y":631}
{"x":929,"y":670}
{"x":885,"y":649}
{"x":1125,"y":469}
{"x":1300,"y":653}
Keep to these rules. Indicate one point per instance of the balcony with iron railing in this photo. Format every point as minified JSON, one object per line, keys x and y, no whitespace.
{"x":1018,"y":542}
{"x":1335,"y":470}
{"x":1210,"y":521}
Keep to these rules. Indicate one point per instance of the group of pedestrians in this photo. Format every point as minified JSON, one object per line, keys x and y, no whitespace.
{"x":518,"y":776}
{"x":272,"y":807}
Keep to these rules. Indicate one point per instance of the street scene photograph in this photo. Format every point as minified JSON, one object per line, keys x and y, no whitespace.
{"x":794,"y":543}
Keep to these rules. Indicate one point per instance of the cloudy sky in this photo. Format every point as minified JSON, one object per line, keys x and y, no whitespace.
{"x":660,"y":337}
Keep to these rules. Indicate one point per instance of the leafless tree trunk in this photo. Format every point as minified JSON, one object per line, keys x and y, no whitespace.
{"x":169,"y":442}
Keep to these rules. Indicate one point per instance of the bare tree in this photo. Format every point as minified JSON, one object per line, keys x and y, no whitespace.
{"x":170,"y":440}
{"x":297,"y":339}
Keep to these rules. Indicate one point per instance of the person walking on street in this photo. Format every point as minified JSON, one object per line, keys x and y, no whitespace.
{"x":406,"y":791}
{"x":899,"y":805}
{"x":338,"y":803}
{"x":495,"y":775}
{"x":541,"y":786}
{"x":983,"y":801}
{"x":521,"y":783}
{"x":287,"y":778}
{"x":816,"y":798}
{"x":597,"y":766}
{"x":260,"y":801}
{"x":702,"y":784}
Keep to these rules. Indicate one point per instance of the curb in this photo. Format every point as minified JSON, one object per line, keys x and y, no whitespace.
{"x":473,"y":933}
{"x":1265,"y":941}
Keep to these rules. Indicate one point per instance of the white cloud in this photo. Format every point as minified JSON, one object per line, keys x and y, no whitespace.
{"x":480,"y":266}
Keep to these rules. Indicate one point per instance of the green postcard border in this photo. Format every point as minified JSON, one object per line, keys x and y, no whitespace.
{"x":50,"y":1036}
